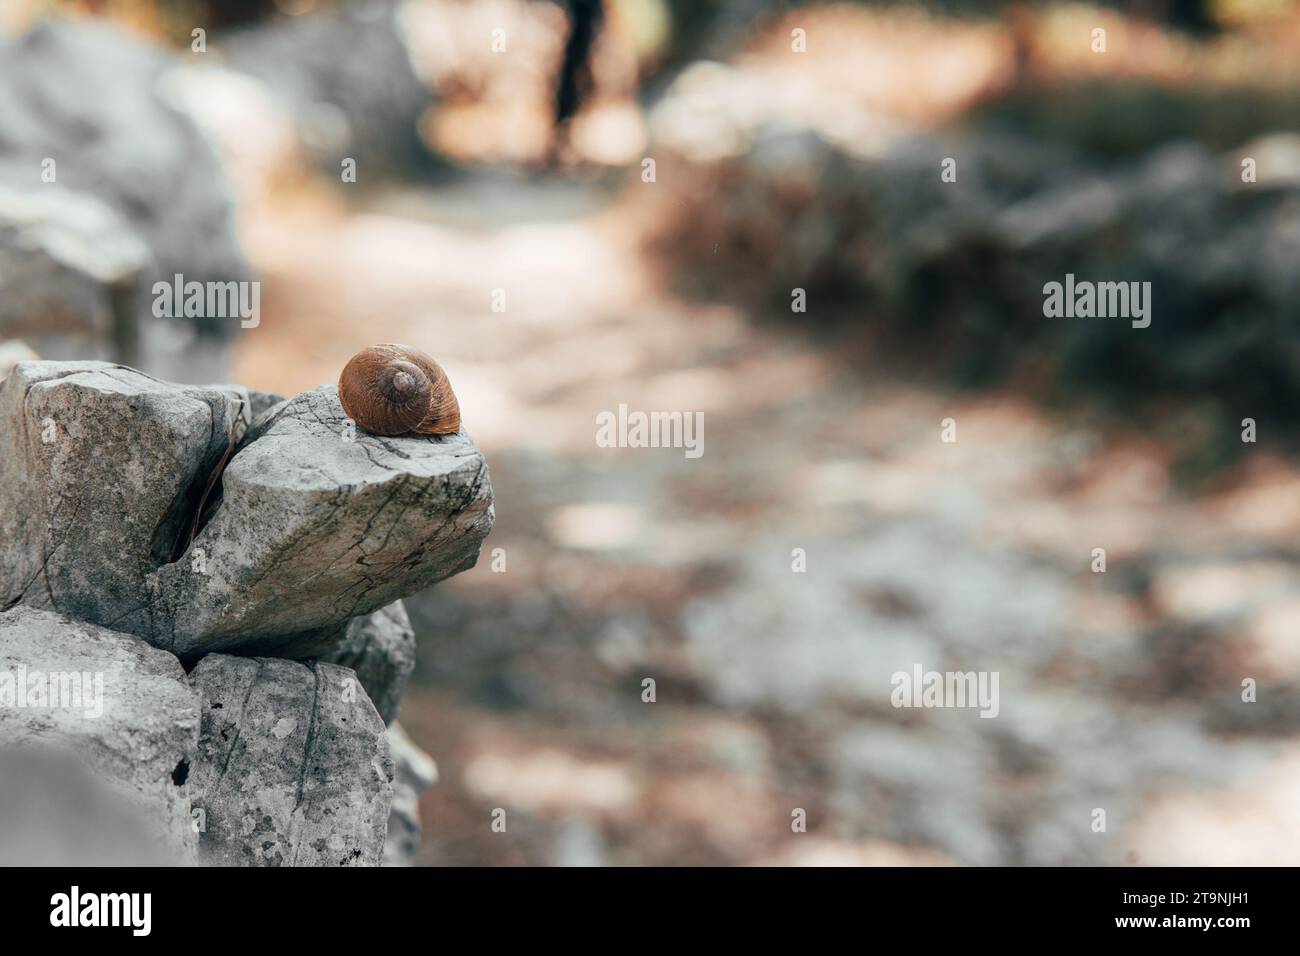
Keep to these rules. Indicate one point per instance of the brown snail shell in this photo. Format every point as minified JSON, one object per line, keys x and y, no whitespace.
{"x":396,"y":390}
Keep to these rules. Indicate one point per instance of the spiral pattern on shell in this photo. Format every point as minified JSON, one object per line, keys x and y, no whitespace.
{"x":396,"y":390}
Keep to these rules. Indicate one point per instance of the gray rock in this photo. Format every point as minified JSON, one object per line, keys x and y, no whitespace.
{"x":413,"y":773}
{"x":316,"y":527}
{"x":85,"y":94}
{"x":346,"y":76}
{"x":98,"y":466}
{"x":264,"y":408}
{"x":380,"y":648}
{"x":293,"y":765}
{"x":259,"y":402}
{"x":139,"y":196}
{"x":71,"y":271}
{"x":308,"y":529}
{"x":123,"y":709}
{"x":263,"y":402}
{"x":56,"y":811}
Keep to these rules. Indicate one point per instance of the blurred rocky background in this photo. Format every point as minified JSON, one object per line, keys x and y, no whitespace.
{"x":499,"y":150}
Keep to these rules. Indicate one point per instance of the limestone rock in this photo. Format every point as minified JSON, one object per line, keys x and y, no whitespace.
{"x":71,"y":269}
{"x":413,"y":773}
{"x":103,"y":469}
{"x":293,"y":766}
{"x":56,"y":811}
{"x":318,"y":525}
{"x":124,"y":709}
{"x":98,"y":466}
{"x":380,"y":648}
{"x":262,"y":402}
{"x":305,"y":532}
{"x":105,"y":189}
{"x":86,"y":95}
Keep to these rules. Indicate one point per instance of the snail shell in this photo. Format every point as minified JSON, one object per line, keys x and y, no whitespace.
{"x":396,"y":390}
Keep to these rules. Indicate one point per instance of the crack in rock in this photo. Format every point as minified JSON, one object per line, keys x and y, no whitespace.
{"x":288,"y":776}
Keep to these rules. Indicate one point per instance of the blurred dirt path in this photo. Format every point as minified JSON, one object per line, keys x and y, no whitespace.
{"x":1119,"y":688}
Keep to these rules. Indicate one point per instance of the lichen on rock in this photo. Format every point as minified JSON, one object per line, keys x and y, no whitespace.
{"x":293,"y":766}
